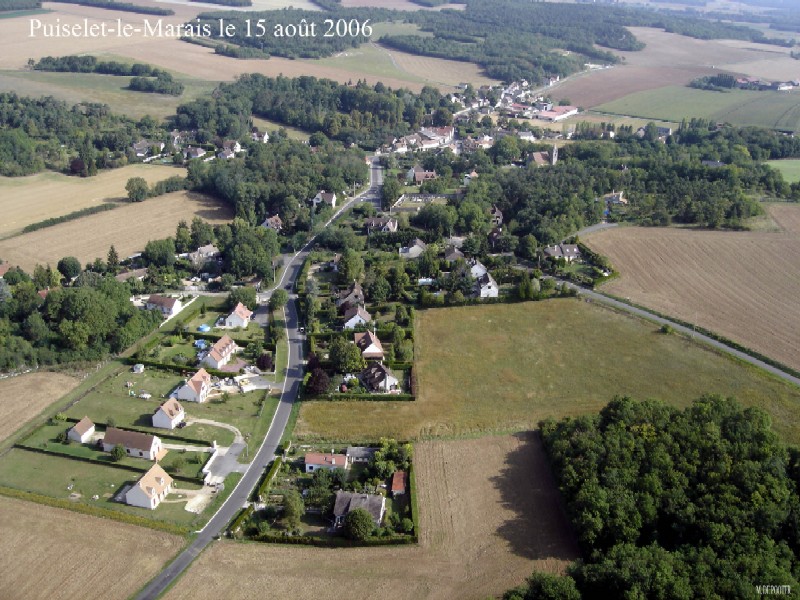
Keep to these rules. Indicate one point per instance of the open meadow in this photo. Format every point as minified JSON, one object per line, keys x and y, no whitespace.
{"x":484,"y":369}
{"x":789,"y":168}
{"x":46,"y":195}
{"x":128,"y":228}
{"x":57,"y":554}
{"x":743,"y":285}
{"x":670,"y":59}
{"x":485,"y":525}
{"x":25,"y":396}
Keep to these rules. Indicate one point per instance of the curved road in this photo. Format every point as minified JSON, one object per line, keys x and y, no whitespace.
{"x":291,"y":386}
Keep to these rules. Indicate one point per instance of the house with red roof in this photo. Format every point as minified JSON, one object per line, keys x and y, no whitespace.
{"x":221,"y":352}
{"x":240,"y":317}
{"x":196,"y":388}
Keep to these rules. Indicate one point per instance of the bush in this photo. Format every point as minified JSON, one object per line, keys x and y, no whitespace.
{"x":118,"y":453}
{"x":667,"y":329}
{"x":358,"y":524}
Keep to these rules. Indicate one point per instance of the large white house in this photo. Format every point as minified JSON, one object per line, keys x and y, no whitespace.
{"x":82,"y":431}
{"x":168,"y":306}
{"x":324,"y":197}
{"x":356,"y":316}
{"x":150,"y":490}
{"x":240,"y":317}
{"x":169,"y":415}
{"x":369,"y":344}
{"x":196,"y":388}
{"x":140,"y":445}
{"x":221,"y":352}
{"x":379,"y":379}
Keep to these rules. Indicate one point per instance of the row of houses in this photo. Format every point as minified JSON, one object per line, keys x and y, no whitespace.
{"x":185,"y":143}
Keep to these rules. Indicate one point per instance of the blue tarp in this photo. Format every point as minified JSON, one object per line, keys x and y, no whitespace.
{"x":200,"y":344}
{"x":204,"y":328}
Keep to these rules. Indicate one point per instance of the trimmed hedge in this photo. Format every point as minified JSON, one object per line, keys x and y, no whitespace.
{"x":95,"y":511}
{"x":334,"y":542}
{"x":364,"y":397}
{"x":270,"y":475}
{"x":244,"y":514}
{"x":412,"y":489}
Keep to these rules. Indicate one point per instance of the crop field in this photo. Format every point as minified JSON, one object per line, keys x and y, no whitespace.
{"x":42,"y":196}
{"x":25,"y":396}
{"x":485,"y":526}
{"x":128,"y":228}
{"x":501,"y":368}
{"x":673,"y":60}
{"x":57,"y":554}
{"x":780,"y":110}
{"x":743,"y":285}
{"x":790,"y":168}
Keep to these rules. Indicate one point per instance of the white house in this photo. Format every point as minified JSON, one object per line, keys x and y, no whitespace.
{"x":150,"y":490}
{"x":169,"y":415}
{"x":322,"y":196}
{"x":168,"y":306}
{"x":141,"y":445}
{"x":273,"y":222}
{"x":369,"y":344}
{"x":259,"y":136}
{"x":315,"y":461}
{"x":379,"y":379}
{"x":568,"y":252}
{"x":197,"y":388}
{"x":204,"y":254}
{"x":221,"y":352}
{"x":240,"y":317}
{"x":486,"y":287}
{"x":82,"y":431}
{"x":356,"y":316}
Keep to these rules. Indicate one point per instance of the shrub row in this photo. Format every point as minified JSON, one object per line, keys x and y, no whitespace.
{"x":243,"y":516}
{"x":364,"y":397}
{"x":95,"y":511}
{"x":412,"y":489}
{"x":334,"y":542}
{"x":267,"y":481}
{"x":77,"y":214}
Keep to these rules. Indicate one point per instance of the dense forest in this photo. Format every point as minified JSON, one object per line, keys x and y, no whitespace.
{"x":46,"y":133}
{"x":668,"y":503}
{"x":349,"y":113}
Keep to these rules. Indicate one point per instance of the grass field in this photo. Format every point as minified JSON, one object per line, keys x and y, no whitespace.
{"x":778,"y":110}
{"x":128,"y":228}
{"x":25,"y":396}
{"x":788,"y":167}
{"x":38,"y":197}
{"x":78,"y":87}
{"x":57,"y":554}
{"x":743,"y":285}
{"x":485,"y":526}
{"x":293,"y":132}
{"x":499,"y":368}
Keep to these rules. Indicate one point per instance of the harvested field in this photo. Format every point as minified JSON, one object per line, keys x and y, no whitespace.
{"x":42,"y":196}
{"x":54,"y":554}
{"x":672,"y":59}
{"x":501,"y":368}
{"x":25,"y":396}
{"x":128,"y":228}
{"x":743,"y":285}
{"x":489,"y":516}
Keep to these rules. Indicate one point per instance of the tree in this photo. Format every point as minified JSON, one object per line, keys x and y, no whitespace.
{"x":318,"y":382}
{"x":69,"y":267}
{"x":264,"y":361}
{"x":545,"y":586}
{"x":160,"y":253}
{"x":379,"y":289}
{"x":358,"y":524}
{"x":351,"y":265}
{"x":278,"y":299}
{"x":118,"y":453}
{"x":346,"y":357}
{"x":112,"y":259}
{"x":183,"y":238}
{"x":293,"y":509}
{"x":137,"y":189}
{"x":246,"y":295}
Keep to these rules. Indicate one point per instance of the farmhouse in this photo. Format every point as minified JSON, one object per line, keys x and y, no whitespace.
{"x":273,"y":222}
{"x":370,"y":345}
{"x":398,"y":483}
{"x":169,"y":415}
{"x":82,"y":431}
{"x":204,"y":254}
{"x":414,"y":250}
{"x":221,"y":352}
{"x":359,"y":454}
{"x":150,"y":490}
{"x":568,"y":252}
{"x":259,"y":136}
{"x":168,"y":306}
{"x":240,"y":317}
{"x":322,"y":196}
{"x":197,"y":388}
{"x":379,"y":379}
{"x":136,"y":444}
{"x":315,"y":461}
{"x":348,"y":501}
{"x":356,"y":316}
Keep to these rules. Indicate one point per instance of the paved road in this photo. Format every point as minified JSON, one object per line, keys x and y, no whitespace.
{"x":266,"y":452}
{"x":686,"y":330}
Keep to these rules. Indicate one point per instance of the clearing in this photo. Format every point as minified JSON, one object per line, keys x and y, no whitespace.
{"x":53,"y":553}
{"x":128,"y":228}
{"x":485,"y":526}
{"x":790,"y":168}
{"x":46,"y":195}
{"x":502,"y":368}
{"x":670,"y":59}
{"x":742,"y":285}
{"x":25,"y":396}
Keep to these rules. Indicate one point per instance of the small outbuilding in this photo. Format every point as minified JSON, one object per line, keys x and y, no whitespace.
{"x":82,"y":431}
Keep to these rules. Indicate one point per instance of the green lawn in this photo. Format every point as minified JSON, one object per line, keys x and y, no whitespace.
{"x":501,"y":368}
{"x":789,"y":168}
{"x":293,"y":132}
{"x":739,"y":107}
